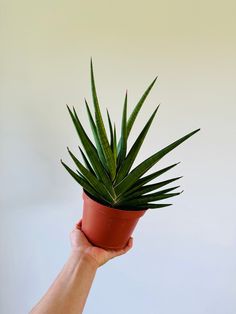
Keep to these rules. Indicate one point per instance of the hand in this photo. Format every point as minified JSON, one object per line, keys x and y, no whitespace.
{"x":79,"y":242}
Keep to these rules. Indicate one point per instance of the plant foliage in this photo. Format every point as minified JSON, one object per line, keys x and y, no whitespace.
{"x":106,"y":174}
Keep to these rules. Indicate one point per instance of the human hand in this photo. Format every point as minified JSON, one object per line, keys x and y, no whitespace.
{"x":79,"y":242}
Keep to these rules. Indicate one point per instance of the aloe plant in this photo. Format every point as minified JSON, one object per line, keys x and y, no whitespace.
{"x":106,"y":174}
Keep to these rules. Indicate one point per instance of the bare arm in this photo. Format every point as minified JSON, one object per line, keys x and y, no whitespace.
{"x":69,"y":292}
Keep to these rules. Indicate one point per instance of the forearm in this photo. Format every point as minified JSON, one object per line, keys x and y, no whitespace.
{"x":70,"y":290}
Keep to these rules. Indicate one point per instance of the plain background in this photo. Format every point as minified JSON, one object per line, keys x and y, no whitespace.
{"x":184,"y":257}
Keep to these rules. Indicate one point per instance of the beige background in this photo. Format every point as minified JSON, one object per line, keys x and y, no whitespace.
{"x":183,"y":260}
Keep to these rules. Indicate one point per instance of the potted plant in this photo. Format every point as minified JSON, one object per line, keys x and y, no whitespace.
{"x":116,"y":196}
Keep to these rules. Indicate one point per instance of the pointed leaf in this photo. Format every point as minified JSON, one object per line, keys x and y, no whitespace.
{"x":126,"y":166}
{"x":146,"y":179}
{"x":93,"y":181}
{"x":91,"y":151}
{"x":101,"y":129}
{"x":137,"y":108}
{"x":123,"y":138}
{"x":147,"y":188}
{"x":110,"y":128}
{"x":144,"y":206}
{"x":130,"y":198}
{"x":147,"y":196}
{"x":114,"y":148}
{"x":83,"y":183}
{"x":126,"y":183}
{"x":150,"y":198}
{"x":86,"y":162}
{"x":96,"y":137}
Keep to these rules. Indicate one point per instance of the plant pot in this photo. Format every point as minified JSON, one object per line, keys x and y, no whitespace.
{"x":108,"y":227}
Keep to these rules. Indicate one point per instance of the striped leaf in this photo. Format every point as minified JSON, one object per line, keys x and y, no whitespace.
{"x":101,"y":130}
{"x":91,"y":152}
{"x":83,"y":183}
{"x":126,"y":166}
{"x":95,"y":135}
{"x":135,"y":174}
{"x":146,"y":179}
{"x":145,"y":199}
{"x":86,"y":162}
{"x":137,"y":108}
{"x":123,"y":137}
{"x":114,"y":146}
{"x":93,"y":181}
{"x":147,"y":188}
{"x":110,"y":129}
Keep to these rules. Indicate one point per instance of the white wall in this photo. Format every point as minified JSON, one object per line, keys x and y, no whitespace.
{"x":183,"y":260}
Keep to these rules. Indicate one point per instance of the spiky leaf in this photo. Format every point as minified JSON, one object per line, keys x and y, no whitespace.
{"x":136,"y":186}
{"x":126,"y":166}
{"x":95,"y":135}
{"x":147,"y":188}
{"x":137,"y":108}
{"x":101,"y":130}
{"x":144,"y":206}
{"x":86,"y":162}
{"x":151,"y":197}
{"x":135,"y":174}
{"x":110,"y":129}
{"x":91,"y":152}
{"x":123,"y":137}
{"x":83,"y":183}
{"x":93,"y":181}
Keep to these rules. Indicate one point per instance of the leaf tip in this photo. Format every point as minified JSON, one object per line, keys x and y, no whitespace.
{"x":155,"y":79}
{"x":197,"y":130}
{"x":67,"y":106}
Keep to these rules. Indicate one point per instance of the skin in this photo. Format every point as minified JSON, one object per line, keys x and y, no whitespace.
{"x":69,"y":291}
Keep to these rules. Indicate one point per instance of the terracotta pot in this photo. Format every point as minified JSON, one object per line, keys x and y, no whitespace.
{"x":108,"y":227}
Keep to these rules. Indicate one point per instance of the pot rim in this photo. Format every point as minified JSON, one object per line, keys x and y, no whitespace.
{"x":113,"y":209}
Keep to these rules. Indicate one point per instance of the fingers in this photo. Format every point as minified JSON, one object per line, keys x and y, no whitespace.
{"x":79,"y":224}
{"x":129,"y":245}
{"x":125,"y":249}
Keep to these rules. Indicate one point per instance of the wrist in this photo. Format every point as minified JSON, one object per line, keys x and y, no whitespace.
{"x":82,"y":256}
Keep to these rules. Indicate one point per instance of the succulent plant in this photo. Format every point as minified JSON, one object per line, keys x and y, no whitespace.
{"x":106,"y":174}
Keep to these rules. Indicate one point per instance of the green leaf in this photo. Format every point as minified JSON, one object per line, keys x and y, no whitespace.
{"x":147,"y":188}
{"x":110,"y":128}
{"x":83,"y":183}
{"x":96,"y":137}
{"x":123,"y":138}
{"x":93,"y":181}
{"x":126,"y":166}
{"x":91,"y":152}
{"x":137,"y":108}
{"x":101,"y":130}
{"x":114,"y":147}
{"x":146,"y":197}
{"x":112,"y":139}
{"x":150,"y":198}
{"x":86,"y":162}
{"x":144,"y":206}
{"x":135,"y":174}
{"x":148,"y":178}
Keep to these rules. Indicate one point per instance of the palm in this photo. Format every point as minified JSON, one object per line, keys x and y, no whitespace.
{"x":80,"y":242}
